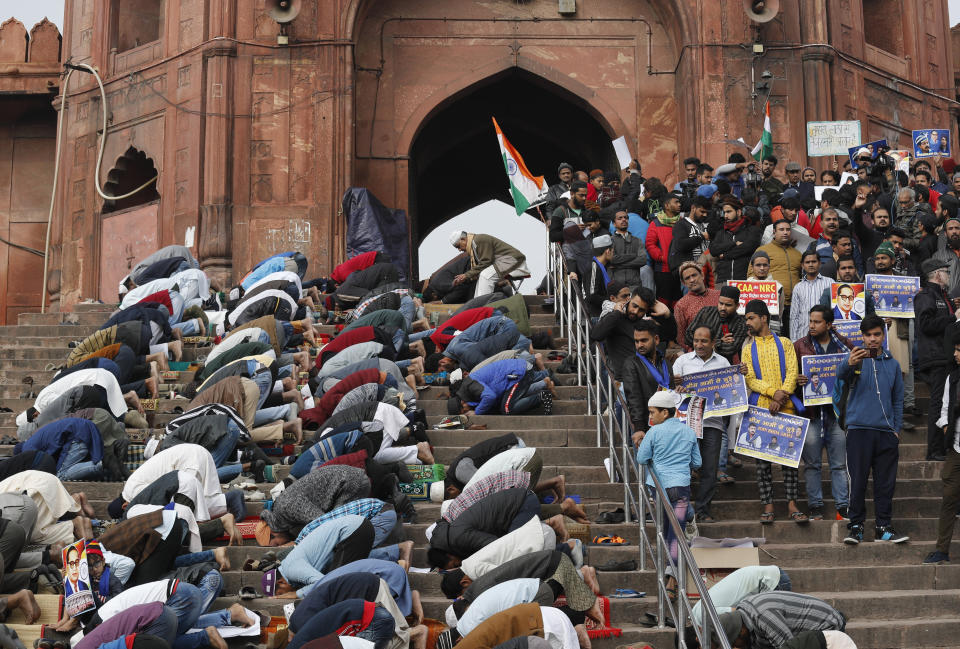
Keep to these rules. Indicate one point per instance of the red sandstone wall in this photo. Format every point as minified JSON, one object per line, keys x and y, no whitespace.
{"x":264,"y":140}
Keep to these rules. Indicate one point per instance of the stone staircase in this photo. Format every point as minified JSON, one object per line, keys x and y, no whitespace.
{"x":890,"y":599}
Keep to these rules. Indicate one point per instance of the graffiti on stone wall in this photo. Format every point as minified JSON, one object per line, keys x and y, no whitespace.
{"x":295,"y":235}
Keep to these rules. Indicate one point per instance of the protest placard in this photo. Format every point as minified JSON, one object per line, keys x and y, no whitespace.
{"x":623,"y":152}
{"x":848,"y":301}
{"x":832,"y":138}
{"x":821,"y":373}
{"x":930,"y":142}
{"x":725,"y":390}
{"x":691,"y":412}
{"x":757,"y":289}
{"x":775,"y":438}
{"x":78,"y":597}
{"x":873,"y":147}
{"x":901,"y":159}
{"x":893,"y":295}
{"x":850,"y":329}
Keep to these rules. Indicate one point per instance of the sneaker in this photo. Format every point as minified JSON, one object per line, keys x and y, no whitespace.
{"x":842,"y":513}
{"x":890,"y":535}
{"x":854,"y":535}
{"x":937,"y":557}
{"x":547,"y":400}
{"x":816,"y":513}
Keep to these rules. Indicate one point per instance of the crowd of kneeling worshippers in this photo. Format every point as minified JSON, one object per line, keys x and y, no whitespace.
{"x":336,"y":526}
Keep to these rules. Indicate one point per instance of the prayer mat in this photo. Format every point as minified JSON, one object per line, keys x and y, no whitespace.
{"x":595,"y":630}
{"x":246,"y":527}
{"x":149,"y":404}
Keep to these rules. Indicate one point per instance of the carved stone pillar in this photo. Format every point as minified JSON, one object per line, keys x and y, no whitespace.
{"x":216,"y":238}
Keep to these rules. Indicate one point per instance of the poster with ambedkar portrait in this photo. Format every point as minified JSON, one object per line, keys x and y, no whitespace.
{"x":893,"y":294}
{"x":848,"y":301}
{"x":78,"y":596}
{"x":775,"y":438}
{"x":929,"y":142}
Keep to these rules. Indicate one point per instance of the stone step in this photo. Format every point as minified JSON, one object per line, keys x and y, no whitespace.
{"x":45,"y":319}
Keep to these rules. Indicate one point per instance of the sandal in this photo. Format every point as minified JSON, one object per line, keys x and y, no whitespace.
{"x":608,"y":540}
{"x":734,"y":461}
{"x":248,"y":592}
{"x":724,"y":478}
{"x":799,"y":518}
{"x":628,"y":593}
{"x":706,"y":518}
{"x":766,"y":518}
{"x":672,"y":593}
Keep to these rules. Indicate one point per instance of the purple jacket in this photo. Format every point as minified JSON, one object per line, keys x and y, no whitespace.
{"x":133,"y":620}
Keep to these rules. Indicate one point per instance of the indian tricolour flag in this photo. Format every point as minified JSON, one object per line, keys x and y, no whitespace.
{"x":526,"y":189}
{"x":765,"y":145}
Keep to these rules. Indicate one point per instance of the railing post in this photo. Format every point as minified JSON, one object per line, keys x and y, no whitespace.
{"x":642,"y":512}
{"x":661,"y":540}
{"x":626,"y":447}
{"x":681,"y":586}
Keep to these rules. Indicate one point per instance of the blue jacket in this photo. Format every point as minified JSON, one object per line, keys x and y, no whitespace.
{"x":496,"y":379}
{"x":58,"y":435}
{"x":671,"y":449}
{"x":876,"y":399}
{"x":483,"y":339}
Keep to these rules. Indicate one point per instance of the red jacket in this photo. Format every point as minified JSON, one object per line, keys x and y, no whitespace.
{"x":344,"y":340}
{"x":360,"y":262}
{"x":658,"y":245}
{"x":160,"y":297}
{"x":328,"y":403}
{"x":459,"y":322}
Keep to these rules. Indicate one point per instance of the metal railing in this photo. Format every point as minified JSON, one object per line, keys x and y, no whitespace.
{"x":615,"y":431}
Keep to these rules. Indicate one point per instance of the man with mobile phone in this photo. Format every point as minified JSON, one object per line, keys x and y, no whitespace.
{"x":874,"y":418}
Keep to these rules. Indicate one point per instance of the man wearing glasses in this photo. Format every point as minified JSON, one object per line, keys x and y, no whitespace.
{"x":844,"y":309}
{"x":73,"y":584}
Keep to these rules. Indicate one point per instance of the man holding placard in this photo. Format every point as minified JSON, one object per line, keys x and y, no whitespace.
{"x":874,"y":417}
{"x":771,"y":379}
{"x":701,"y":359}
{"x":822,"y":342}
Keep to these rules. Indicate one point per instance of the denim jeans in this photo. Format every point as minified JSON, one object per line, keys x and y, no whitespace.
{"x":228,"y":472}
{"x":835,"y":441}
{"x":679,"y":501}
{"x":383,"y":523}
{"x":77,"y":465}
{"x":188,"y":328}
{"x":408,"y":309}
{"x":267,"y":415}
{"x":192,"y":558}
{"x":389,"y":553}
{"x":531,"y":399}
{"x":265,"y":383}
{"x":186,"y":603}
{"x":225,"y":447}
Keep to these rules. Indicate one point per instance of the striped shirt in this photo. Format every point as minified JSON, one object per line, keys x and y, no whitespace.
{"x":710,"y":317}
{"x":806,"y":294}
{"x":776,"y":617}
{"x":366,"y":507}
{"x":483,"y":488}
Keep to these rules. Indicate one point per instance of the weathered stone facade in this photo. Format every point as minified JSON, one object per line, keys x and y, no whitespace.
{"x":255,"y":143}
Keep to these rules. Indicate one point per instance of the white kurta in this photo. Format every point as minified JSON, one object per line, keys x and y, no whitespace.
{"x":52,"y":500}
{"x":393,"y":420}
{"x":524,"y":540}
{"x":190,"y":458}
{"x":94,"y":376}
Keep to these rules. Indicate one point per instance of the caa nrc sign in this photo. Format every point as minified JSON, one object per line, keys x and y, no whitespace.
{"x":832,"y":138}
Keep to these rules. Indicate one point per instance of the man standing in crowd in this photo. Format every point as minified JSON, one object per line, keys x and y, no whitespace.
{"x":644,"y":374}
{"x":806,"y":294}
{"x":701,"y":359}
{"x":760,"y":271}
{"x":595,"y":286}
{"x":771,"y":379}
{"x":784,"y":262}
{"x":698,"y":297}
{"x":935,"y":312}
{"x":729,"y":328}
{"x":873,"y":418}
{"x":824,"y":430}
{"x":629,"y":256}
{"x":554,"y":194}
{"x":569,"y":211}
{"x":659,"y":238}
